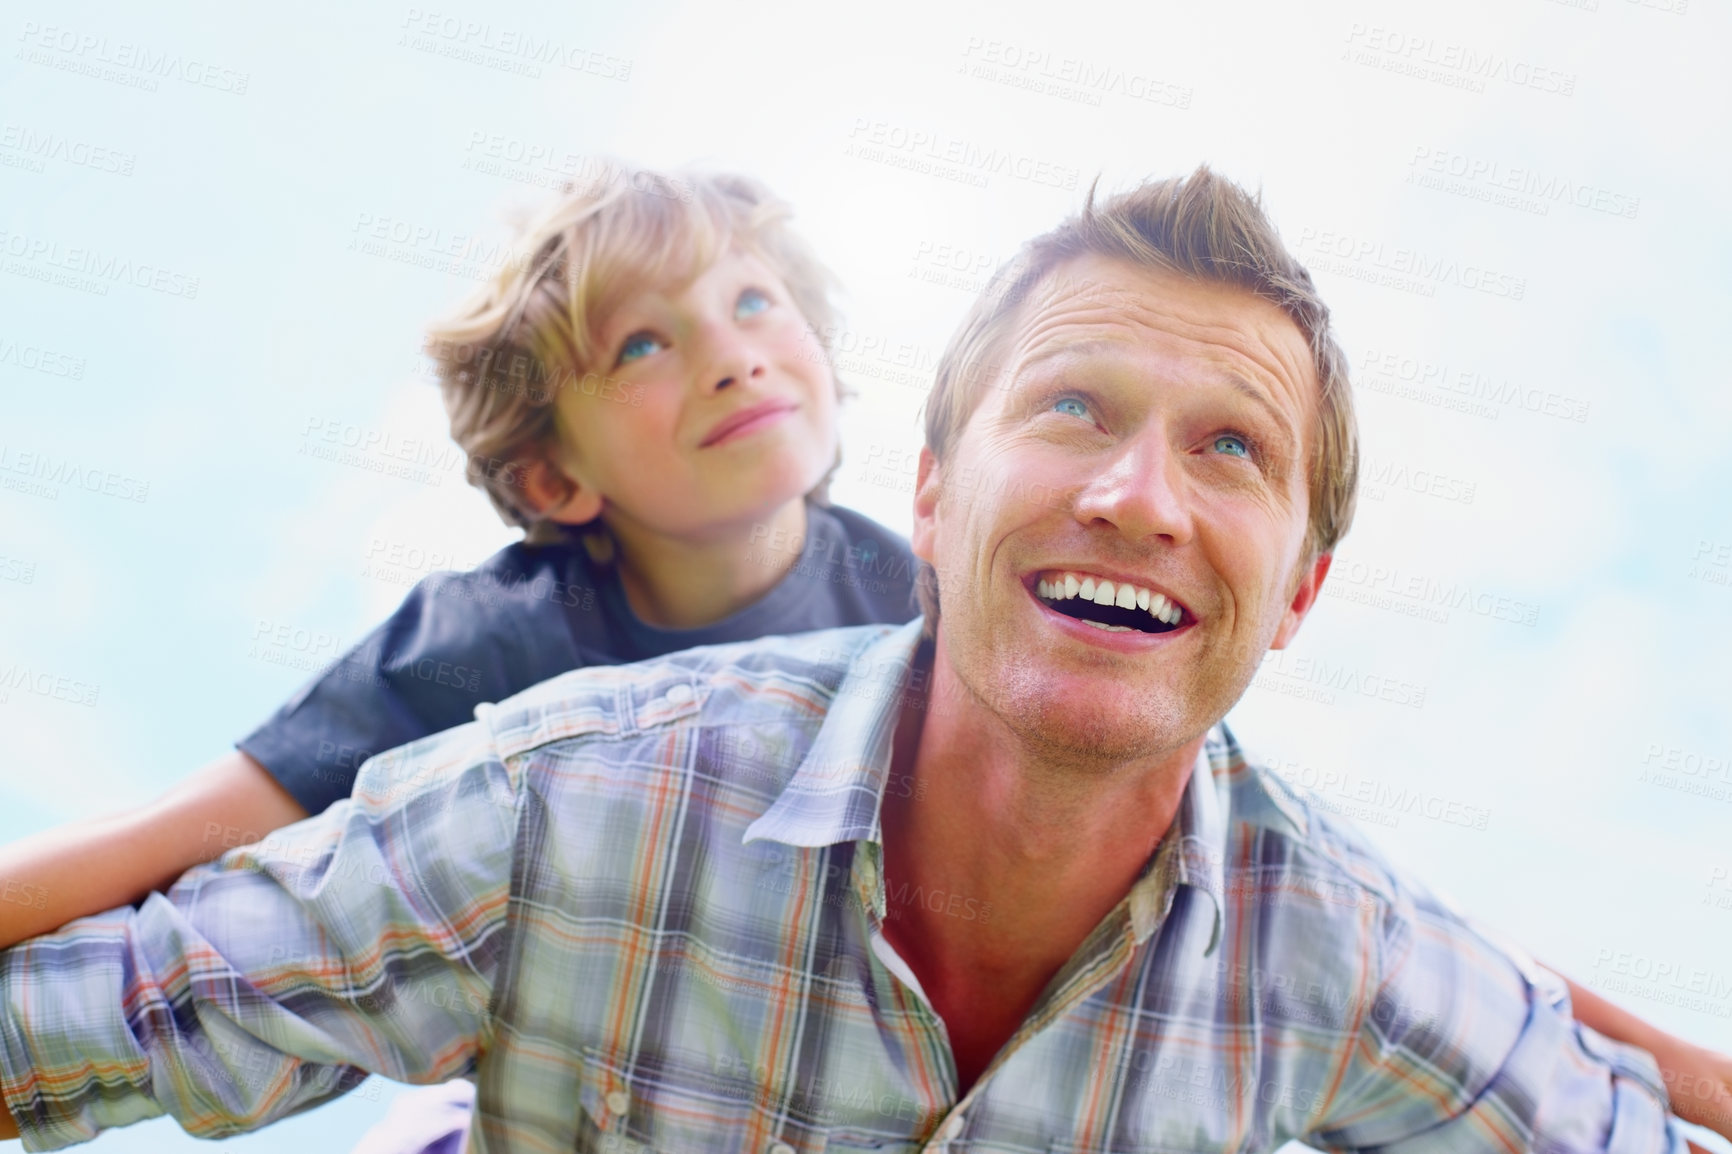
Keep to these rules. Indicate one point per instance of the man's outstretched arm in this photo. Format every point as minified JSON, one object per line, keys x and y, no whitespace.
{"x":362,"y":940}
{"x":1698,"y":1080}
{"x":1466,"y":1047}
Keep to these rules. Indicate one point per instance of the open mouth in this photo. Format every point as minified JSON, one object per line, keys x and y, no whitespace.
{"x":1116,"y":607}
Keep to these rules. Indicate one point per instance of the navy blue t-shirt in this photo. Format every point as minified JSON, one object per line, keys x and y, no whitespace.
{"x":531,"y":612}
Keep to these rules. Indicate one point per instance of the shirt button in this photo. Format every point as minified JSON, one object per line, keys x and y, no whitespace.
{"x":618,"y":1102}
{"x":953,"y":1128}
{"x":679,"y":694}
{"x":781,"y":1148}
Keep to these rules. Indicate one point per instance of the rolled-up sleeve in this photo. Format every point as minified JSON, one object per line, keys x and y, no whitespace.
{"x":1467,"y":1049}
{"x":364,"y":940}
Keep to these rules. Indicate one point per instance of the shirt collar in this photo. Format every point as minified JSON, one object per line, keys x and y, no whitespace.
{"x":1194,"y":851}
{"x":835,"y":793}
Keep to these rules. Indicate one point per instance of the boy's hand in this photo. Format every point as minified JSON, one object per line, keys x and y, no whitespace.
{"x":1699,"y":1083}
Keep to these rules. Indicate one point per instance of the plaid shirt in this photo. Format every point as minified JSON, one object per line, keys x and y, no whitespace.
{"x":641,"y":905}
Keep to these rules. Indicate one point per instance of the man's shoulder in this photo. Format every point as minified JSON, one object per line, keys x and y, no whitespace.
{"x":742,"y":682}
{"x":1291,"y":825}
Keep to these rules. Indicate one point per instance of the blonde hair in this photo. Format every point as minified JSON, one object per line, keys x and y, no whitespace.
{"x":502,"y":358}
{"x":1202,"y":226}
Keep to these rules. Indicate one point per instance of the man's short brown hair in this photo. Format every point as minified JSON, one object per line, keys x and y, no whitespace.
{"x":1202,"y":226}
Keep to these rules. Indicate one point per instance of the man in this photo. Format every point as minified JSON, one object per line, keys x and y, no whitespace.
{"x":1000,"y":881}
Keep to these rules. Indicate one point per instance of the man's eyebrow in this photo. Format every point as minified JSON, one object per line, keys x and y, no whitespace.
{"x":1246,"y":389}
{"x":1064,"y":350}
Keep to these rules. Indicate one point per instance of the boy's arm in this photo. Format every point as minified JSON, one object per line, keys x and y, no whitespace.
{"x":86,"y":867}
{"x":1698,"y":1081}
{"x":365,"y":939}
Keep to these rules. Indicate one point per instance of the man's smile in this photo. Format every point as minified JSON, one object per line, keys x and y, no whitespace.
{"x":1108,"y":606}
{"x":1091,"y":597}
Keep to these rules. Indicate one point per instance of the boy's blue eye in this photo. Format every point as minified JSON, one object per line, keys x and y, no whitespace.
{"x":1232,"y":445}
{"x":1072,"y":406}
{"x":752,"y":302}
{"x":636,"y":346}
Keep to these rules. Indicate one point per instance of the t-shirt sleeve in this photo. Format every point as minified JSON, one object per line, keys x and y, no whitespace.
{"x":458,"y":639}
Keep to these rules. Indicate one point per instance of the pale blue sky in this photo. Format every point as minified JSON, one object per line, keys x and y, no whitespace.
{"x":1569,"y":153}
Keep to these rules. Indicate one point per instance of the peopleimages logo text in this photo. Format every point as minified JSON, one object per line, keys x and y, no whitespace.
{"x":1410,"y":262}
{"x":90,"y":50}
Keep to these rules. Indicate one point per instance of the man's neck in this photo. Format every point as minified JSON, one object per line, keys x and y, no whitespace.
{"x":1002,"y":813}
{"x":688,"y":582}
{"x":1049,"y":849}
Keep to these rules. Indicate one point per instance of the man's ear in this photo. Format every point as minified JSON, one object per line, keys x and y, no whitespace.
{"x":1305,"y":593}
{"x":554,"y":495}
{"x":926,"y":488}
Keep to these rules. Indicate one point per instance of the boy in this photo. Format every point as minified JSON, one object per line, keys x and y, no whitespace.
{"x":643,"y":393}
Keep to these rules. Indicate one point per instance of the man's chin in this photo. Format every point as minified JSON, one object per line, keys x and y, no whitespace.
{"x":1107,"y":729}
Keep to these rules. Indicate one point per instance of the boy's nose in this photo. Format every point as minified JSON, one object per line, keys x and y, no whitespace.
{"x":731,"y":360}
{"x":754,"y":371}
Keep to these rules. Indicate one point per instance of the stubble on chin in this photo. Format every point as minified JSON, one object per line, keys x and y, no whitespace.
{"x":1087,"y":739}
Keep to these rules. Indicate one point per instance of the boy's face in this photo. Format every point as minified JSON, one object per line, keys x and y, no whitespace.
{"x":718,"y":408}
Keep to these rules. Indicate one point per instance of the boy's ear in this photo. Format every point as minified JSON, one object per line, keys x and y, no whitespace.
{"x":554,"y":495}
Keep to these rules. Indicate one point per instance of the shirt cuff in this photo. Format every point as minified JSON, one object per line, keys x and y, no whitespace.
{"x":50,"y":1117}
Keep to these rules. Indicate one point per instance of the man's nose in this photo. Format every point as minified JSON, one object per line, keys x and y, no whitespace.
{"x":1142,"y":491}
{"x":728,"y":356}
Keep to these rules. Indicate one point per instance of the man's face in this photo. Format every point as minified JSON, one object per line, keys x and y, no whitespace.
{"x":1149,"y":430}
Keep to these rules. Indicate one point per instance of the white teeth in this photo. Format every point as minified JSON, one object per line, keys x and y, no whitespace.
{"x":1124,"y":595}
{"x":1108,"y":628}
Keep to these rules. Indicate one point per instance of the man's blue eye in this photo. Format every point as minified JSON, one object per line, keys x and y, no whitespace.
{"x":1233,"y":446}
{"x":751,"y":303}
{"x":637,"y":345}
{"x":1072,"y":406}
